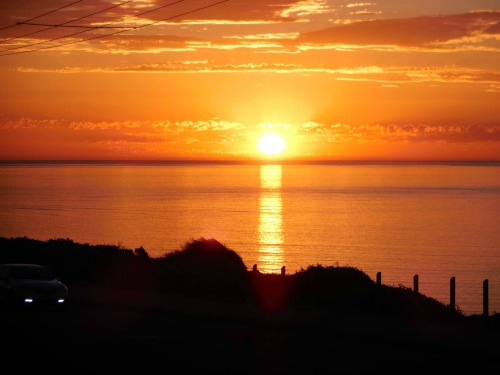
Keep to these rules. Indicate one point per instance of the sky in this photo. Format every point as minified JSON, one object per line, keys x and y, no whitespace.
{"x":381,"y":80}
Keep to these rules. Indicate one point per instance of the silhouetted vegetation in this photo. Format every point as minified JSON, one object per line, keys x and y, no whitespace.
{"x":203,"y":267}
{"x":207,"y":268}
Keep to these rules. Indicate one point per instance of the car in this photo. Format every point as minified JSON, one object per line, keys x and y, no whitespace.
{"x":31,"y":285}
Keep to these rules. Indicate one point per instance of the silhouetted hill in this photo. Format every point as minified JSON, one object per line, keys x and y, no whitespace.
{"x":208,"y":269}
{"x":199,"y":310}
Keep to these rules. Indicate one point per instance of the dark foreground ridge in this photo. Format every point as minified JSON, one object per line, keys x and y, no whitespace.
{"x":199,"y":310}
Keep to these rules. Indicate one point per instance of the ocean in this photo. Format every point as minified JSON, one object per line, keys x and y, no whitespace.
{"x":434,"y":220}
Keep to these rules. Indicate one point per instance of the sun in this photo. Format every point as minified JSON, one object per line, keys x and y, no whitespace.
{"x":271,"y":144}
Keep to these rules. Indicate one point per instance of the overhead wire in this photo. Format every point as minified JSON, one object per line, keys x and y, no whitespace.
{"x":77,"y":33}
{"x":114,"y":33}
{"x":105,"y":26}
{"x":42,"y":15}
{"x":54,"y":26}
{"x":73,"y":26}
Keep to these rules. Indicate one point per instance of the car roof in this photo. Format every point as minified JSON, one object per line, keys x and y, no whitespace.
{"x":23,"y":265}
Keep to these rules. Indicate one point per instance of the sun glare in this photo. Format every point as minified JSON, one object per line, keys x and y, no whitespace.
{"x":271,"y":144}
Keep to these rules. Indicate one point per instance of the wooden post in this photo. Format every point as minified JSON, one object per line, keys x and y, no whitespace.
{"x":485,"y":298}
{"x":452,"y":293}
{"x":254,"y":269}
{"x":283,"y":271}
{"x":379,"y":278}
{"x":415,"y":283}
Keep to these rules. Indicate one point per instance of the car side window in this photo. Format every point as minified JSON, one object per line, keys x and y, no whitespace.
{"x":4,"y":274}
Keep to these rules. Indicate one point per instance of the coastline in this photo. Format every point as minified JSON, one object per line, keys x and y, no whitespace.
{"x":352,"y":218}
{"x":115,"y":325}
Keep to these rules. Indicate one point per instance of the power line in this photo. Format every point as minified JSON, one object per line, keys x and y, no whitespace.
{"x":42,"y":15}
{"x":73,"y":26}
{"x":115,"y":33}
{"x":100,"y":27}
{"x":53,"y":26}
{"x":78,"y":32}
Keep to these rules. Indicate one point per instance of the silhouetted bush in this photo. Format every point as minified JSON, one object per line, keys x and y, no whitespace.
{"x":207,"y":268}
{"x":72,"y":262}
{"x":333,"y":287}
{"x":405,"y":303}
{"x":350,"y":289}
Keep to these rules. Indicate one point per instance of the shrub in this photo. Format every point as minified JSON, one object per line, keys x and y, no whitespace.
{"x":205,"y":266}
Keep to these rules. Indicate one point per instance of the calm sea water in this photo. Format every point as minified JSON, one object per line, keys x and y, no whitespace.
{"x":435,"y":220}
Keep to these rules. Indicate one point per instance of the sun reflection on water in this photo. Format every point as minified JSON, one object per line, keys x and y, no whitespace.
{"x":270,"y":220}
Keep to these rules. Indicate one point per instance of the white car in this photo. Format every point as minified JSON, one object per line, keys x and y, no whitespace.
{"x":31,"y":285}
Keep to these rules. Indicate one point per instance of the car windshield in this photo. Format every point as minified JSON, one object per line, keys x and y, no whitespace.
{"x":31,"y":273}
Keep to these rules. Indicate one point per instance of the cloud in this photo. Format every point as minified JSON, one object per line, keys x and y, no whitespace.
{"x":237,"y":11}
{"x":430,"y":74}
{"x":354,"y":5}
{"x":160,"y":131}
{"x":213,"y":125}
{"x":467,"y":31}
{"x":99,"y":21}
{"x":30,"y":138}
{"x":494,"y":29}
{"x":387,"y":76}
{"x":139,"y":43}
{"x":403,"y":133}
{"x":97,"y":12}
{"x":129,"y":139}
{"x":123,"y":127}
{"x":426,"y":31}
{"x":306,"y":8}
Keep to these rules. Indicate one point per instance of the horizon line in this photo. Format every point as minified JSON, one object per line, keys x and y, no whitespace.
{"x":246,"y":162}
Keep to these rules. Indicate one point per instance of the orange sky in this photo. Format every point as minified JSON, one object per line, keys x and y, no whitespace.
{"x":203,"y":79}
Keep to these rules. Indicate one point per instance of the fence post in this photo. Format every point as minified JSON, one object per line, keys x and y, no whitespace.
{"x":485,"y":298}
{"x":379,"y":278}
{"x":452,"y":293}
{"x":283,"y":271}
{"x":415,"y":283}
{"x":254,"y":268}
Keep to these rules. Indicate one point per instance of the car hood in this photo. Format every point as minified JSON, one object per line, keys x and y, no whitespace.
{"x":38,"y":284}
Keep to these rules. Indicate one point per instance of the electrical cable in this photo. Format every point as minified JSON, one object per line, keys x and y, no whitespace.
{"x":111,"y":34}
{"x":54,"y":26}
{"x":42,"y":15}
